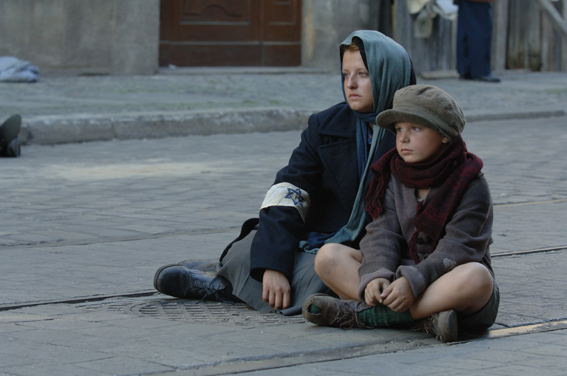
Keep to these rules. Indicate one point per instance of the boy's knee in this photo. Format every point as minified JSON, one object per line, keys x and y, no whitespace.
{"x":476,"y":277}
{"x":326,"y":257}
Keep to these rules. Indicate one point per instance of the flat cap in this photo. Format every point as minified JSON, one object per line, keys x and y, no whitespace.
{"x":425,"y":105}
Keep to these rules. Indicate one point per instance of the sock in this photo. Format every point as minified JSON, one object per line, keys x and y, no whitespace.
{"x":314,"y":309}
{"x":382,"y":316}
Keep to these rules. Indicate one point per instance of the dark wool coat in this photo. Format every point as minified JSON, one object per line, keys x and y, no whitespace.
{"x":325,"y":165}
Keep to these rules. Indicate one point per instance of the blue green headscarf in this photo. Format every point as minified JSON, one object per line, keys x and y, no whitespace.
{"x":390,"y":69}
{"x":389,"y":66}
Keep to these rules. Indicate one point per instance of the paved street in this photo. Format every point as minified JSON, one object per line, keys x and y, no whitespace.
{"x":97,"y":219}
{"x":85,"y":226}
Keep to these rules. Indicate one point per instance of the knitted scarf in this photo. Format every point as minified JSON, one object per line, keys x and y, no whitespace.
{"x":452,"y":172}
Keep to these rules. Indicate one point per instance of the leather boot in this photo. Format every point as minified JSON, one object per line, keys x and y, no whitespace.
{"x":182,"y":282}
{"x":205,"y":266}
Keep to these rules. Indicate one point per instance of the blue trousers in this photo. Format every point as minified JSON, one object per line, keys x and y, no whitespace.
{"x":474,"y":39}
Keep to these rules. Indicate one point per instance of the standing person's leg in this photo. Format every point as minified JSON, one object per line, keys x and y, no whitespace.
{"x":463,"y":48}
{"x":480,"y":38}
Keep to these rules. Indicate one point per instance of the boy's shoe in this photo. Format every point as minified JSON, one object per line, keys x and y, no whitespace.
{"x":322,"y":309}
{"x":442,"y":325}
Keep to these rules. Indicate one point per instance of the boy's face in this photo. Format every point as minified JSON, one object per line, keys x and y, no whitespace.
{"x":418,"y":143}
{"x":358,"y":87}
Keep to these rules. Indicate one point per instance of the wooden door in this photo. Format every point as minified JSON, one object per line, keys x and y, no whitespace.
{"x":230,"y":32}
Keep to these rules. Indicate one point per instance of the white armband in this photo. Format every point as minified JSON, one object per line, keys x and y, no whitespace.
{"x":286,"y":194}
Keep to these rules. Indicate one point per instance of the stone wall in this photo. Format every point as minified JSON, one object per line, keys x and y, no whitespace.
{"x":326,"y":23}
{"x":91,"y":37}
{"x":82,"y":36}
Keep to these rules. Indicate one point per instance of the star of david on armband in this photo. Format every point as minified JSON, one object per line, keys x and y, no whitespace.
{"x":295,"y":196}
{"x":286,"y":194}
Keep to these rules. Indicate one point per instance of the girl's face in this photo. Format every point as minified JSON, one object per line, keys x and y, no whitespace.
{"x":418,"y":143}
{"x":358,"y":87}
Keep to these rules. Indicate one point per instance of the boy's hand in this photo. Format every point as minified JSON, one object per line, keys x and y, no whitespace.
{"x":276,"y":289}
{"x":399,"y":295}
{"x":374,"y":290}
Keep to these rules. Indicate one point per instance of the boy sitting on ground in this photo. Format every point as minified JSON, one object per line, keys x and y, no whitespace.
{"x":425,"y":259}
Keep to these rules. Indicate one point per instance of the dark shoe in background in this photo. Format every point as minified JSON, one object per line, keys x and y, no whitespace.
{"x":489,"y":78}
{"x":9,"y":144}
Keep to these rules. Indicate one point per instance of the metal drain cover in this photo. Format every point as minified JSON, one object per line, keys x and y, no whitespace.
{"x":233,"y":314}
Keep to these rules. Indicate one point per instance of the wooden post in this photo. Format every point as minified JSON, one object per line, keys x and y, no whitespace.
{"x":431,"y":54}
{"x":524,"y":35}
{"x":547,"y":44}
{"x":499,"y":34}
{"x":564,"y":40}
{"x":554,"y":35}
{"x":558,"y":22}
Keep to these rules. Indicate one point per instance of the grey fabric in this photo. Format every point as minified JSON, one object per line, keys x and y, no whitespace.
{"x":484,"y":318}
{"x":425,"y":105}
{"x":235,"y":268}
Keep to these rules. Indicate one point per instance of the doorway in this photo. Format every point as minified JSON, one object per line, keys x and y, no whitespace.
{"x":230,"y":33}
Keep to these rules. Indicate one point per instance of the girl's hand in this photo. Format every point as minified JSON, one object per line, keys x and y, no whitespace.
{"x":276,"y":289}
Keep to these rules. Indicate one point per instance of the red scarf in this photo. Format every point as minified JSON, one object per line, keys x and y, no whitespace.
{"x":452,"y":172}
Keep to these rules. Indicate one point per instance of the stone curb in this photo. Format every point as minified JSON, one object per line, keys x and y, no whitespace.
{"x":61,"y":129}
{"x":56,"y":129}
{"x":473,"y":116}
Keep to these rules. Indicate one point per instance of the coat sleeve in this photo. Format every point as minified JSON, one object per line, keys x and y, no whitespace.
{"x":467,"y":238}
{"x":382,"y":246}
{"x":282,"y":227}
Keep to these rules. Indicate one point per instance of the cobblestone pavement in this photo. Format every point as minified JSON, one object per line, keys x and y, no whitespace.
{"x":86,"y":225}
{"x":222,"y":89}
{"x":211,"y":101}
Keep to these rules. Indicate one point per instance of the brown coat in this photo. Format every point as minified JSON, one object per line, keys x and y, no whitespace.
{"x":385,"y":246}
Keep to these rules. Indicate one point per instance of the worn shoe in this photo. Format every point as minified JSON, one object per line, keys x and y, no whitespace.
{"x":442,"y":325}
{"x":182,"y":282}
{"x":325,"y":310}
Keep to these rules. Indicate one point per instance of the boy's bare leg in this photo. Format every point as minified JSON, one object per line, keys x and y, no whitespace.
{"x":337,"y":265}
{"x":466,"y":289}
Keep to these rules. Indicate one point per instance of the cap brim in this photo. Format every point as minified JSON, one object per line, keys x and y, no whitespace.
{"x":388,"y":119}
